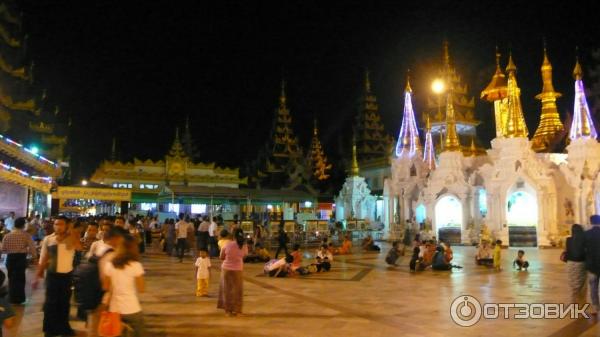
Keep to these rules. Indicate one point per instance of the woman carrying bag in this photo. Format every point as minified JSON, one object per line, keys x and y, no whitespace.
{"x":124,"y":280}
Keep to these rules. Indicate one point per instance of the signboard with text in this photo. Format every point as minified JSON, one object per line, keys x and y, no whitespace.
{"x":91,"y":193}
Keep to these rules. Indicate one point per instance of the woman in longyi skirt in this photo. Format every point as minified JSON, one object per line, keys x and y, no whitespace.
{"x":231,"y":290}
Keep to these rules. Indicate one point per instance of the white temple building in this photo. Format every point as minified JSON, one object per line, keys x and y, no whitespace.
{"x":355,"y":200}
{"x":511,"y":193}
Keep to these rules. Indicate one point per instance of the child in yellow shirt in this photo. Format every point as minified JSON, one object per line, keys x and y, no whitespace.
{"x":498,"y":255}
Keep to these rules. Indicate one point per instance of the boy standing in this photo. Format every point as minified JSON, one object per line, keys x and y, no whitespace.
{"x":498,"y":255}
{"x":202,"y":273}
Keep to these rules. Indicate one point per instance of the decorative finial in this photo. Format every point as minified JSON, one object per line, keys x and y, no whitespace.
{"x":113,"y":150}
{"x":511,"y":67}
{"x":315,"y":129}
{"x":498,"y":55}
{"x":408,"y":88}
{"x":577,"y":71}
{"x":427,"y":123}
{"x":446,"y":54}
{"x":177,"y":134}
{"x":354,"y":170}
{"x":367,"y":81}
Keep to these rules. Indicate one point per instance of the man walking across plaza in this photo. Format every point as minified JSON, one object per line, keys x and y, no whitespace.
{"x":16,"y":245}
{"x":56,"y":261}
{"x":592,"y":260}
{"x":182,"y":227}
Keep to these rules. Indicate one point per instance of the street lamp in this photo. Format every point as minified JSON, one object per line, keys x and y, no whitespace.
{"x":438,"y":86}
{"x":84,"y":182}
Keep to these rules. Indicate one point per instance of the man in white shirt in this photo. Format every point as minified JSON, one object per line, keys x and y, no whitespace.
{"x":9,"y":222}
{"x":182,"y":227}
{"x":56,"y":259}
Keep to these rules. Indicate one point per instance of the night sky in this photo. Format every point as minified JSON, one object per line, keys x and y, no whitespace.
{"x":135,"y":70}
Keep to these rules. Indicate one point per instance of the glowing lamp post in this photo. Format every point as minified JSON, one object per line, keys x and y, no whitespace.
{"x":438,"y":86}
{"x":84,"y":182}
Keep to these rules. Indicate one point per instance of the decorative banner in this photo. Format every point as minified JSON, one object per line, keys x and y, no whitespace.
{"x":90,"y":193}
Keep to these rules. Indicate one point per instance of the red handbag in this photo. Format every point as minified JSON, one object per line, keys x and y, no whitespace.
{"x":110,"y":324}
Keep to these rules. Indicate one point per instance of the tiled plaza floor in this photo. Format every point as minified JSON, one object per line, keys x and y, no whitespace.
{"x":361,"y":296}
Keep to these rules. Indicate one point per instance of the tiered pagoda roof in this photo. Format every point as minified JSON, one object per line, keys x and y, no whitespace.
{"x":282,"y":152}
{"x":25,"y":114}
{"x":319,"y":164}
{"x":372,"y":142}
{"x":462,"y":102}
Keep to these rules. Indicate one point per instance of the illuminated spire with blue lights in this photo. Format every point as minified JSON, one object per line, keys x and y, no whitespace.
{"x":428,"y":149}
{"x":408,"y":139}
{"x":582,"y":125}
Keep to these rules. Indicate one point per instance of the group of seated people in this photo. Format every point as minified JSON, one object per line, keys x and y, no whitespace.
{"x":368,"y":244}
{"x":291,"y":265}
{"x":426,"y":254}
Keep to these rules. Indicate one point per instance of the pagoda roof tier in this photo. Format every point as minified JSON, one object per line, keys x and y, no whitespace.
{"x":39,"y":164}
{"x":19,"y":177}
{"x":202,"y":194}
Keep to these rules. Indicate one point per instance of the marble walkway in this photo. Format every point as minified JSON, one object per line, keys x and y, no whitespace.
{"x":361,"y":296}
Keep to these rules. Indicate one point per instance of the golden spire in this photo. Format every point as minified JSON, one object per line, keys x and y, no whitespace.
{"x":282,"y":96}
{"x":451,"y":143}
{"x":427,"y":123}
{"x":550,"y":123}
{"x":577,"y":72}
{"x":408,"y":88}
{"x":367,"y":81}
{"x":354,"y":170}
{"x":177,"y":148}
{"x":515,"y":122}
{"x":473,"y":148}
{"x":446,"y":55}
{"x":315,"y":129}
{"x":113,"y":150}
{"x":496,"y":89}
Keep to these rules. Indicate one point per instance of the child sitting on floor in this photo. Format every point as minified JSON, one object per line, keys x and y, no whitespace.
{"x":259,"y":254}
{"x":324,"y":259}
{"x":393,"y":254}
{"x":520,"y":261}
{"x":280,"y":267}
{"x":296,"y":266}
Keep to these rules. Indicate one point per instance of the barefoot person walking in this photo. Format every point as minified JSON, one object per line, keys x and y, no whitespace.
{"x":231,"y":287}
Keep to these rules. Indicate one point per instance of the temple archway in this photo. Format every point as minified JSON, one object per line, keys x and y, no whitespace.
{"x":420,"y":214}
{"x":522,"y":216}
{"x":449,"y":219}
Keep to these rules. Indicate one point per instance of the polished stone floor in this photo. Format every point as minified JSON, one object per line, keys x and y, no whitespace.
{"x":361,"y":296}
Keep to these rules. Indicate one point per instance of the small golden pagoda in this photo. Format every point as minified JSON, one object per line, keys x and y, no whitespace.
{"x":451,"y":142}
{"x":462,"y":102}
{"x":496,"y":93}
{"x":515,"y":121}
{"x":318,"y":160}
{"x":550,"y":125}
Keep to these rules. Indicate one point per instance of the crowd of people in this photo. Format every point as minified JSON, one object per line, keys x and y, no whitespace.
{"x":99,"y":258}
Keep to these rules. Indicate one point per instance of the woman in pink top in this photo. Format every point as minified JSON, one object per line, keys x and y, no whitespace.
{"x":231,"y":287}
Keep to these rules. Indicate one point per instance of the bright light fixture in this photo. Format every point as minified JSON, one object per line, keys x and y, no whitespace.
{"x":84,"y":182}
{"x":438,"y":86}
